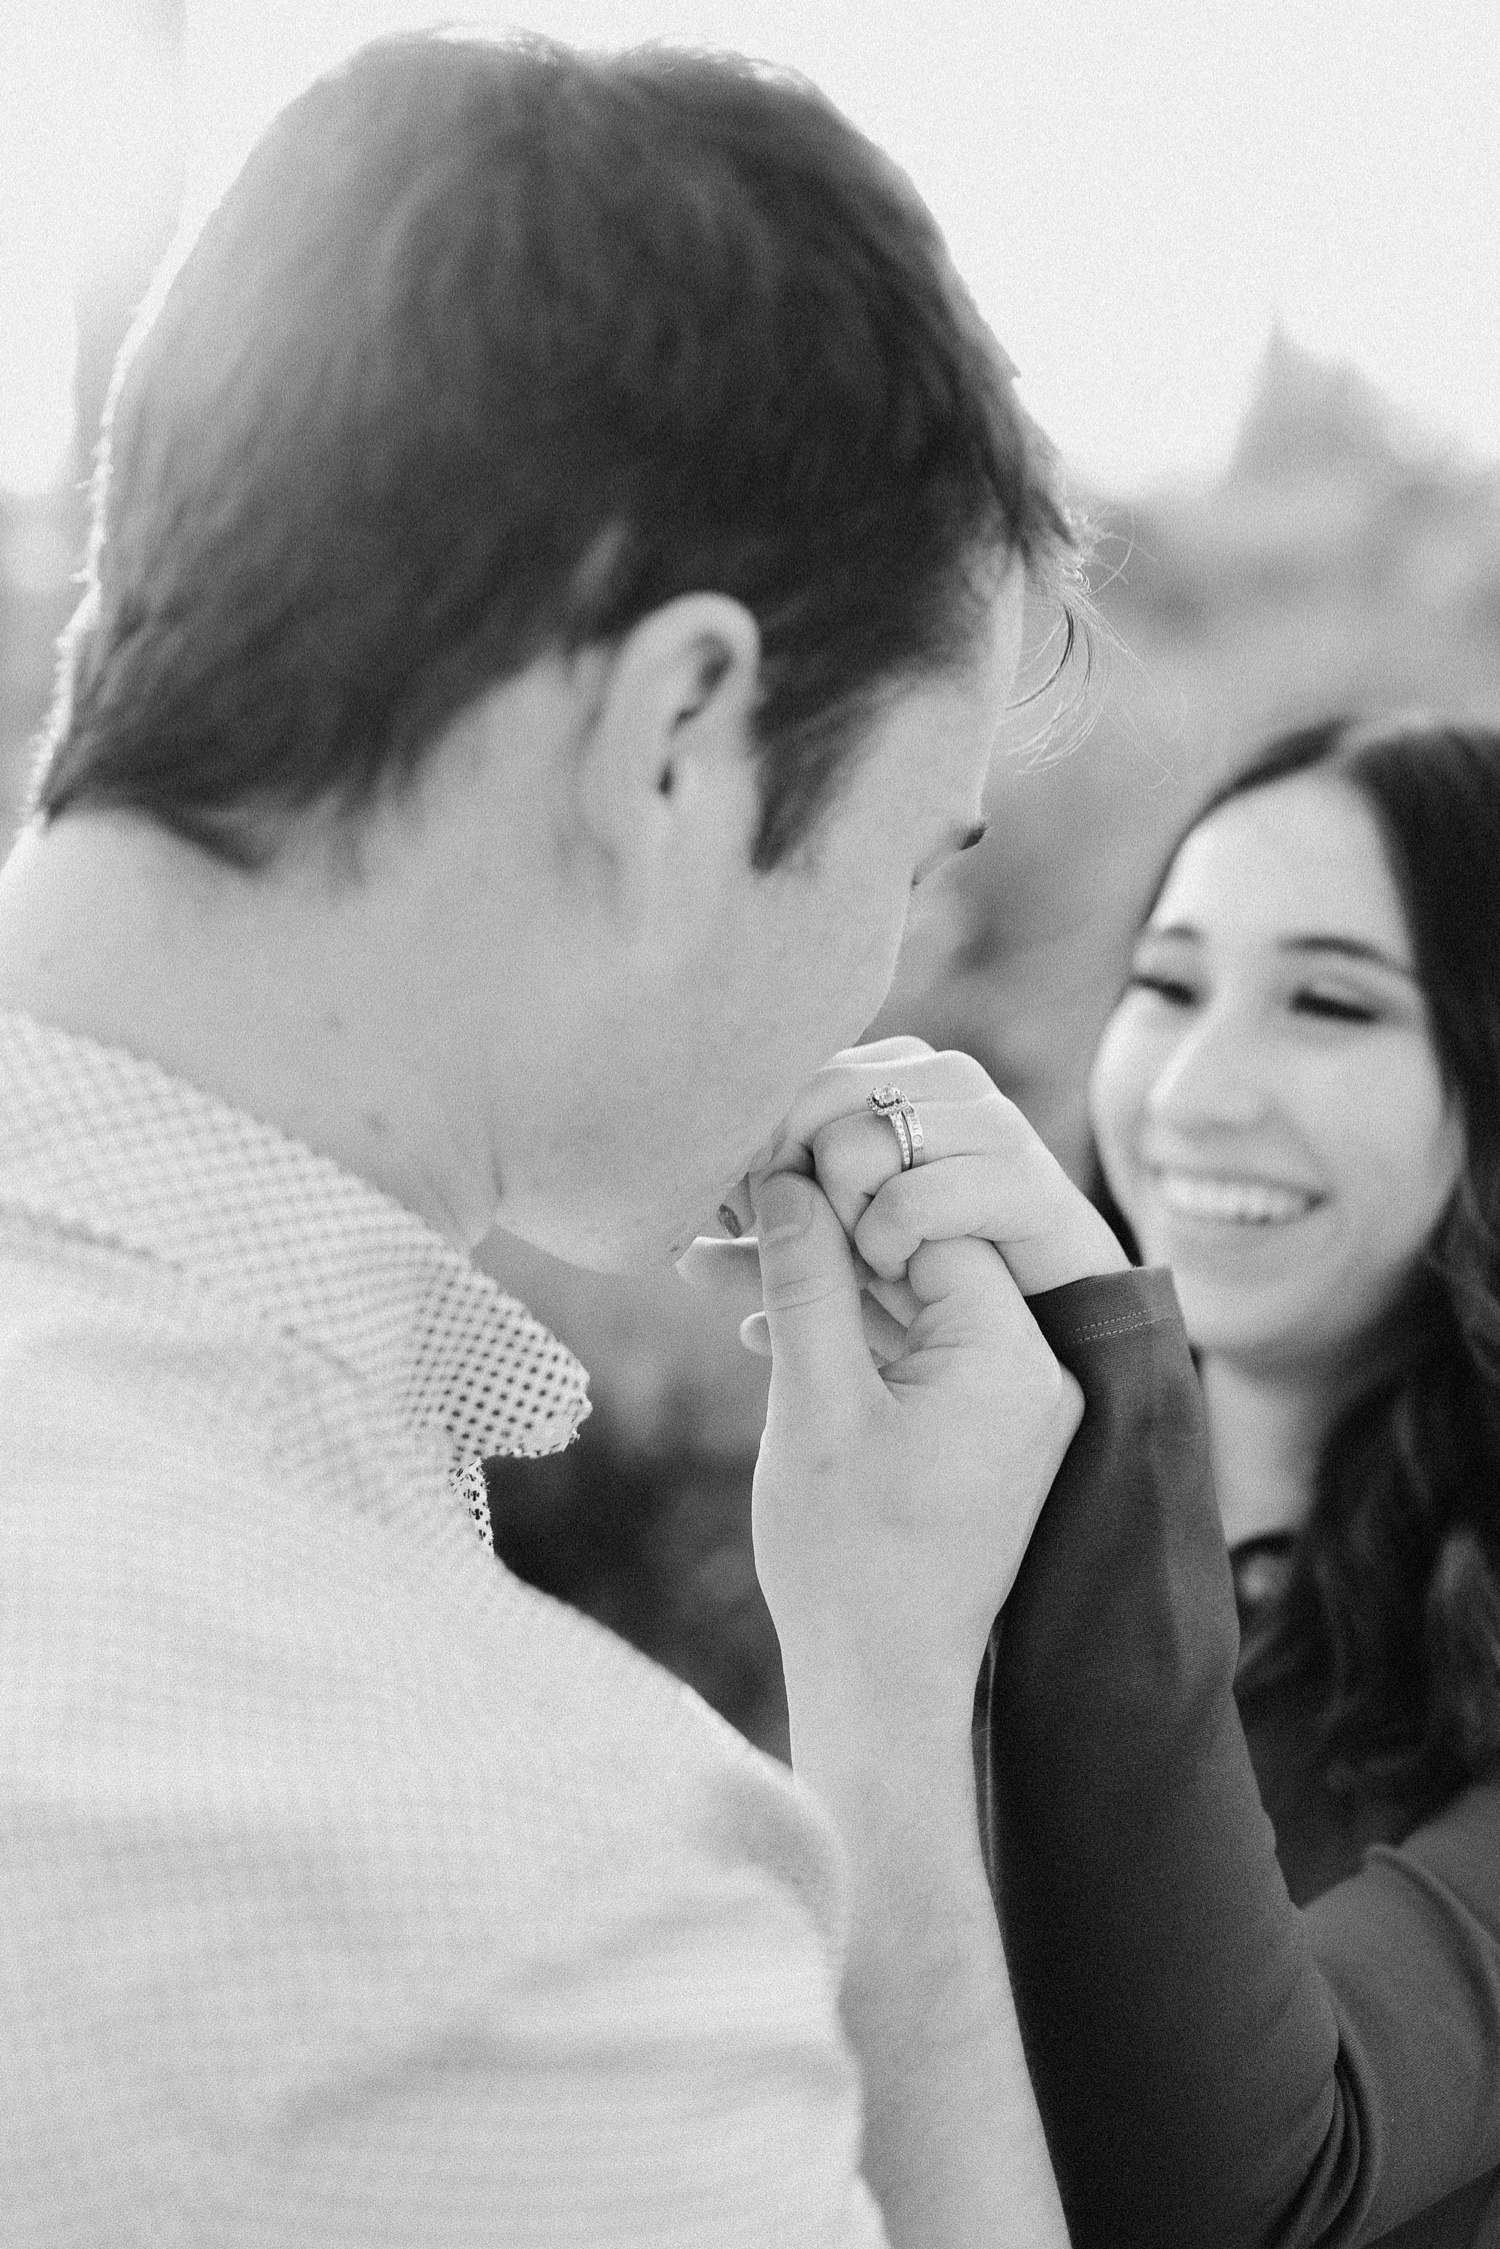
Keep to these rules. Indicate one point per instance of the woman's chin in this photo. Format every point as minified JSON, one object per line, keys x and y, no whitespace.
{"x":1230,"y":1314}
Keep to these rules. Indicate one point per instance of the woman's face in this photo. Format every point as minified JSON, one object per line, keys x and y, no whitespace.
{"x":1267,"y":1099}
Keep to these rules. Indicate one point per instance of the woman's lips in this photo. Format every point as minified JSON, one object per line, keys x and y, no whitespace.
{"x":1231,"y":1199}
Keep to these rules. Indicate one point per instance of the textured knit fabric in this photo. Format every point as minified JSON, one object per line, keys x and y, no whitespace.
{"x":1217,"y":2068}
{"x":351,"y":1893}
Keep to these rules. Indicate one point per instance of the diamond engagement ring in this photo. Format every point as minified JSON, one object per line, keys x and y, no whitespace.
{"x":890,"y":1102}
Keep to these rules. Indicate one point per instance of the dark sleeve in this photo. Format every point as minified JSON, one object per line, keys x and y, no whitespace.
{"x":1213,"y":2066}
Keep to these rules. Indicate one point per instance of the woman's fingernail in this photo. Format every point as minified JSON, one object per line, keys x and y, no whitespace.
{"x":730,"y":1222}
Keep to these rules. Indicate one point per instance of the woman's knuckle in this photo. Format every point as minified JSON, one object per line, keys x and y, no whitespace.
{"x":971,"y":1076}
{"x":836,"y":1157}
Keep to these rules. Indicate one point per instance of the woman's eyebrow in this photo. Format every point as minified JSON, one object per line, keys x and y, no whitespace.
{"x":1348,"y":948}
{"x":1309,"y":941}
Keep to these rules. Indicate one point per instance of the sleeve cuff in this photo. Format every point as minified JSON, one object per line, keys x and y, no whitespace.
{"x":1104,"y":1305}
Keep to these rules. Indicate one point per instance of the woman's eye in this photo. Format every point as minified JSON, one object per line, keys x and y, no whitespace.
{"x":1168,"y":988}
{"x":1328,"y":1007}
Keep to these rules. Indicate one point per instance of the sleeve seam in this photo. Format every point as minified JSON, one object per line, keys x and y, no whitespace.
{"x":1122,"y":1326}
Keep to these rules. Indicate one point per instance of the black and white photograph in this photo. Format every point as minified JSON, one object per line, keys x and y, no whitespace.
{"x":749,"y":1125}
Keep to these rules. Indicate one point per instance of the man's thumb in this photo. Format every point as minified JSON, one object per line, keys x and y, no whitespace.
{"x":809,"y":1289}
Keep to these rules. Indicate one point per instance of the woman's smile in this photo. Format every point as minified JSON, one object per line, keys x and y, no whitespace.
{"x":1226,"y":1198}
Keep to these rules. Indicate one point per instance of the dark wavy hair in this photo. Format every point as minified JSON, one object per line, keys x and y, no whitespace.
{"x":491,"y":349}
{"x":1390,"y":1616}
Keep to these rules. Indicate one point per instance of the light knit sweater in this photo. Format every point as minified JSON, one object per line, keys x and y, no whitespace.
{"x":351,"y":1892}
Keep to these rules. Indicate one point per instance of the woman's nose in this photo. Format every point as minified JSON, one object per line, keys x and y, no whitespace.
{"x":1214,"y":1075}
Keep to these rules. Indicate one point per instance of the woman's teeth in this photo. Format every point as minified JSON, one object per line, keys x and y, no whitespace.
{"x":1232,"y":1202}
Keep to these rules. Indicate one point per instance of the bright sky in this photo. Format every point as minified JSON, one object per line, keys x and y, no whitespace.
{"x":1133,"y":188}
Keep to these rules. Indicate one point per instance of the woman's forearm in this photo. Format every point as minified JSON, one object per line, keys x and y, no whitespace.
{"x":1183,"y":2043}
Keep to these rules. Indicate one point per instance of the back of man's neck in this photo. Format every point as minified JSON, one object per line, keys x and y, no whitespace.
{"x":114,"y":930}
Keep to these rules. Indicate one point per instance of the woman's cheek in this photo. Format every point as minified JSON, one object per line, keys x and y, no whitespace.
{"x":1118,"y":1084}
{"x":1393,"y":1137}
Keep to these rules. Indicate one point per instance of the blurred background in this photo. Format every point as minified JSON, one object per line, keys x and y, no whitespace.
{"x":1246,"y":259}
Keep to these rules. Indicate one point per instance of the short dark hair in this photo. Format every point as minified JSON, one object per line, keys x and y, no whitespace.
{"x":1391,"y":1614}
{"x":491,"y":349}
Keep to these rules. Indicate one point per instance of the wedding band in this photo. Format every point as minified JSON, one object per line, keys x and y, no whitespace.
{"x":890,"y":1102}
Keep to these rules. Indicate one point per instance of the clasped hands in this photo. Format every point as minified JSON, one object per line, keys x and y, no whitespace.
{"x":916,"y":1417}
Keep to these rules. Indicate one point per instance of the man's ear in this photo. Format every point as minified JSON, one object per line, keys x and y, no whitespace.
{"x":666,"y":753}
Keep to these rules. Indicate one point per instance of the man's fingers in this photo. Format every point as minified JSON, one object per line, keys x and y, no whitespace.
{"x":731,"y":1270}
{"x":885,"y":1338}
{"x":893,"y":1297}
{"x":811,"y":1297}
{"x":725,"y":1269}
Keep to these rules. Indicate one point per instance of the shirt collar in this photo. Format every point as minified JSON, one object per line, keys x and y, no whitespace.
{"x":113,"y":1147}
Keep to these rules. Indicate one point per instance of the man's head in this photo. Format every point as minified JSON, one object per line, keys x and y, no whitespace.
{"x":499,"y":357}
{"x":492,"y":349}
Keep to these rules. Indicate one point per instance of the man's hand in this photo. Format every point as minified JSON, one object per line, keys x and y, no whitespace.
{"x":892,"y":1506}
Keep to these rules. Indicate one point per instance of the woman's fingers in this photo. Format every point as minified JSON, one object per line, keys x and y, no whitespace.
{"x":983,"y":1172}
{"x":841,"y":1089}
{"x":735,"y":1214}
{"x":1046,"y":1231}
{"x":845,"y":1083}
{"x":857,"y":1154}
{"x":902,"y":1049}
{"x":962,"y":1194}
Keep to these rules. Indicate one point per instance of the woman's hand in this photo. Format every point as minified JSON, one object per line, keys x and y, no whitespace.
{"x":983,"y":1172}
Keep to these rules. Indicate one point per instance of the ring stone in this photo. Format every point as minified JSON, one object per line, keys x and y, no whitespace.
{"x":890,"y":1102}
